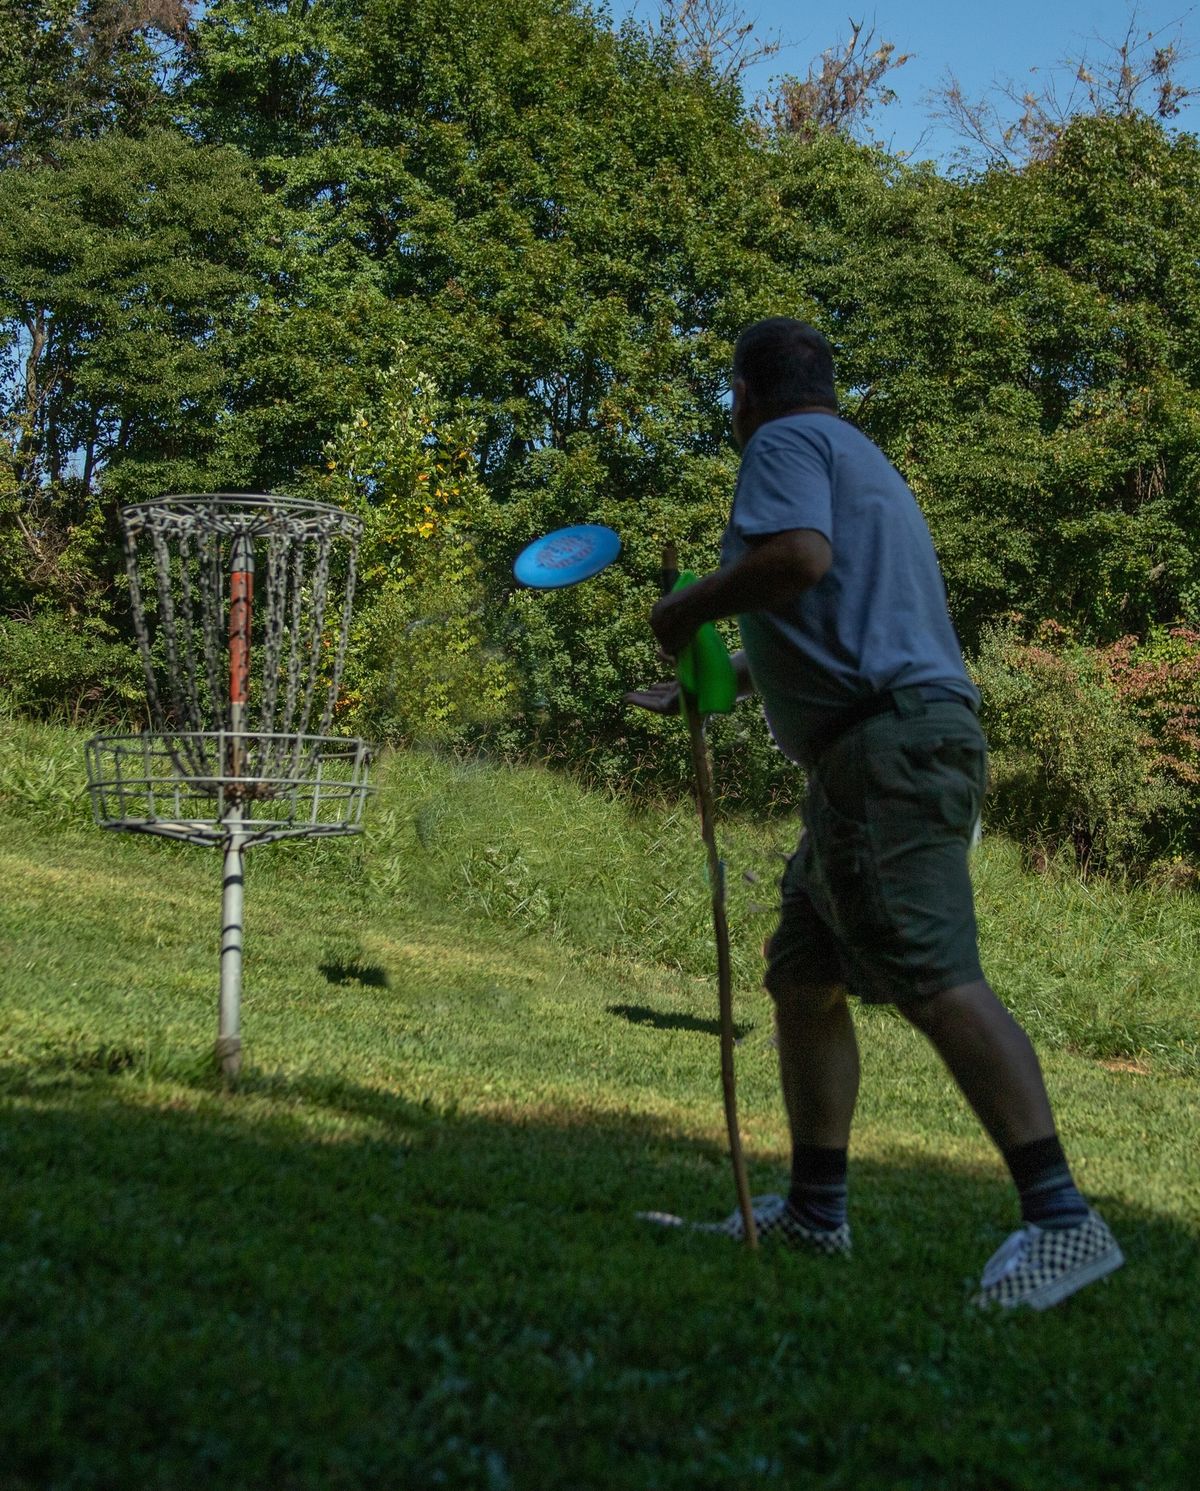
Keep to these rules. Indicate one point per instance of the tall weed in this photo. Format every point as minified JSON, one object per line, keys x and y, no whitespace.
{"x":42,"y":772}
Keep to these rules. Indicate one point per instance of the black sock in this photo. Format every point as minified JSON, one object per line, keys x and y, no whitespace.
{"x":1041,"y":1174}
{"x":818,"y":1193}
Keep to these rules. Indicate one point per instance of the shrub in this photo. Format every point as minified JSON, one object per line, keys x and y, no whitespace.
{"x":1159,"y":682}
{"x":55,"y":667}
{"x":1094,"y":747}
{"x":418,"y":667}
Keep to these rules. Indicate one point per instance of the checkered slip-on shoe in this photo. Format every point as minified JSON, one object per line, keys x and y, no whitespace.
{"x":772,"y":1218}
{"x":1039,"y":1266}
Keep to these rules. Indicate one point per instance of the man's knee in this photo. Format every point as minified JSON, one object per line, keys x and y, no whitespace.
{"x":933,"y":1012}
{"x":800,"y":998}
{"x":794,"y":989}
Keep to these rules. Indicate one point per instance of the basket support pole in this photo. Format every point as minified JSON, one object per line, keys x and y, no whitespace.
{"x":233,"y":880}
{"x":233,"y":885}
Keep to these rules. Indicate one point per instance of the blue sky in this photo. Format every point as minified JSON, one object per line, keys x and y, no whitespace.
{"x":981,"y":44}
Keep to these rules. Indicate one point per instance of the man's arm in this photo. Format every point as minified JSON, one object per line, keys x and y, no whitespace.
{"x":771,"y":574}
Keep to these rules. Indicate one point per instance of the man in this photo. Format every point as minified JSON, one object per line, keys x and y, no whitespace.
{"x":829,"y":567}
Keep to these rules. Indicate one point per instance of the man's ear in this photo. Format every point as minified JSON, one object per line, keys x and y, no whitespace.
{"x":743,"y":417}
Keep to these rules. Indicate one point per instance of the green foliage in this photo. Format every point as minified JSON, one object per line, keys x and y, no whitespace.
{"x":56,"y":552}
{"x":119,"y":271}
{"x":1159,"y":680}
{"x":75,"y":69}
{"x":1075,"y":758}
{"x":567,"y":229}
{"x":1094,"y":264}
{"x":119,"y":267}
{"x":58,"y":667}
{"x":568,"y":232}
{"x":417,"y":666}
{"x":1023,"y":345}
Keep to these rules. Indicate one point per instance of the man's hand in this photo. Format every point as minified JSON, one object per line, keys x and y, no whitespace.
{"x":663,"y":698}
{"x":660,"y":698}
{"x":674,"y":622}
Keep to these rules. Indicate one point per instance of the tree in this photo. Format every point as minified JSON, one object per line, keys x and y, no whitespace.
{"x":841,"y":88}
{"x":566,"y":227}
{"x":119,"y":271}
{"x":1023,"y":345}
{"x":75,"y":69}
{"x":567,"y":230}
{"x":1092,"y":255}
{"x":418,"y":666}
{"x":1113,"y":86}
{"x":714,"y":37}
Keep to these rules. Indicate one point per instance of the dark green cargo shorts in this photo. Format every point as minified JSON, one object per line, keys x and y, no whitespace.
{"x":878,"y":894}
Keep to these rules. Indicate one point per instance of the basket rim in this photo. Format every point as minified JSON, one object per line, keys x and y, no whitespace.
{"x":254,"y":507}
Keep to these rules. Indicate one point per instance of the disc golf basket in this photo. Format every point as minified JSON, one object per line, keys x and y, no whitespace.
{"x":241,"y":606}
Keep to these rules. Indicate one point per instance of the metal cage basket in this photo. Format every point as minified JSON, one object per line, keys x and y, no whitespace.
{"x":277,"y":786}
{"x":241,"y":605}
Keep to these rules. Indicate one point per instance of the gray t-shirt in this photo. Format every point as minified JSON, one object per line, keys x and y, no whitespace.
{"x":878,"y":618}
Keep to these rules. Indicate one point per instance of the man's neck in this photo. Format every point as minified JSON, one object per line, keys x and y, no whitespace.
{"x":786,"y":414}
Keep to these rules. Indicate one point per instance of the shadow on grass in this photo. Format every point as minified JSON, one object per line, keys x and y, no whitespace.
{"x":352,"y":972}
{"x":315,"y":1284}
{"x":642,"y":1014}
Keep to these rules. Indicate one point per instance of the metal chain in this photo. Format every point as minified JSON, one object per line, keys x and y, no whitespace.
{"x":141,"y":631}
{"x":211,"y":586}
{"x":339,"y":659}
{"x":293,"y":683}
{"x":273,"y":645}
{"x":316,"y":637}
{"x":191,"y":693}
{"x":166,"y":618}
{"x":180,"y":753}
{"x":190,"y":543}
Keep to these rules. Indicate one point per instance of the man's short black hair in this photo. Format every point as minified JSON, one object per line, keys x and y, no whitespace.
{"x":785,"y":364}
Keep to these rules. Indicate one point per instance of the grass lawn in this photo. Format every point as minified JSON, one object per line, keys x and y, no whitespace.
{"x":403,"y":1254}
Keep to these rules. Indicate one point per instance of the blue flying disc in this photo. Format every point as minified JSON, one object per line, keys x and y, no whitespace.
{"x":566,"y":556}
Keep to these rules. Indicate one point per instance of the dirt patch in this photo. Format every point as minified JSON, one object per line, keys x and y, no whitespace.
{"x":1125,"y":1064}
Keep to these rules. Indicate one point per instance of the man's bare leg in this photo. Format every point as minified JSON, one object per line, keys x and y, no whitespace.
{"x":818,"y":1063}
{"x":818,"y":1069}
{"x":990,"y":1057}
{"x":994,"y":1063}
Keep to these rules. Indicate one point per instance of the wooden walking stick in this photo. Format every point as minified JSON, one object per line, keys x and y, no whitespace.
{"x":689,"y":707}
